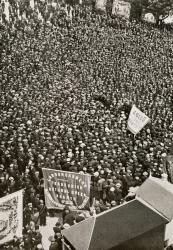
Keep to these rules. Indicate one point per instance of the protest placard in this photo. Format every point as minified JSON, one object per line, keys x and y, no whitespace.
{"x":101,"y":5}
{"x":66,"y":188}
{"x":11,"y":216}
{"x":121,"y":8}
{"x":137,"y":120}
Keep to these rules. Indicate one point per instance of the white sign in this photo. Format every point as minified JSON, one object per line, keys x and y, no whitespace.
{"x":137,"y":120}
{"x":168,"y":20}
{"x":149,"y":18}
{"x":32,"y":4}
{"x":11,"y":216}
{"x":101,"y":5}
{"x":121,"y":8}
{"x":6,"y":11}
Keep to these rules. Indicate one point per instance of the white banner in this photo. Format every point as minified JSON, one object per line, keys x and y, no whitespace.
{"x":137,"y":120}
{"x":11,"y":216}
{"x":121,"y":8}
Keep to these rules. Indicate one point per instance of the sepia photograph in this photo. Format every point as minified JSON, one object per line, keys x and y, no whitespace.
{"x":86,"y":124}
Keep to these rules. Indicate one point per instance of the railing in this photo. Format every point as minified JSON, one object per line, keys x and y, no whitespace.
{"x":65,"y":246}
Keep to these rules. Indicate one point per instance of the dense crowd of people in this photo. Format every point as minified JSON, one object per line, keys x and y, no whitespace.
{"x":68,"y":81}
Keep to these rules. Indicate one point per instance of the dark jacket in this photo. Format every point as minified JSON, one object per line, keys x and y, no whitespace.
{"x":55,"y":246}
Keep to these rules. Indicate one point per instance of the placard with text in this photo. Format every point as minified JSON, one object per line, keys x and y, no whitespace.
{"x":66,"y":188}
{"x":137,"y":120}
